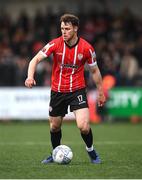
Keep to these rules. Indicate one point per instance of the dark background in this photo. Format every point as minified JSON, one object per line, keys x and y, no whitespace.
{"x":113,"y":27}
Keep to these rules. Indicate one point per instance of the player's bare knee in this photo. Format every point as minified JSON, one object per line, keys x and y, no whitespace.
{"x":55,"y":123}
{"x":55,"y":128}
{"x":84,"y":129}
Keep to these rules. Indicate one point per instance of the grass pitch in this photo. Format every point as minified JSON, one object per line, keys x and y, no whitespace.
{"x":24,"y":145}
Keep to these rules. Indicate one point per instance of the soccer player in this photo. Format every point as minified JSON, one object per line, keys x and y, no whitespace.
{"x":70,"y":53}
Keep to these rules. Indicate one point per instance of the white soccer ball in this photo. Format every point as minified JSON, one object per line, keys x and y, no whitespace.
{"x":62,"y":154}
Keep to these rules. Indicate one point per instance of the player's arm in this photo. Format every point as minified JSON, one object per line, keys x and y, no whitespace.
{"x":30,"y":81}
{"x":97,"y":78}
{"x":98,"y":81}
{"x":45,"y":52}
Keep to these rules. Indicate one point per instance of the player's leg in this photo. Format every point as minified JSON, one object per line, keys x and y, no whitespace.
{"x":55,"y":130}
{"x":55,"y":135}
{"x":82,"y":120}
{"x":57,"y":111}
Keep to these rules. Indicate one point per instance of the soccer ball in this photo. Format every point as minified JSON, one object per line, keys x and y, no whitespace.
{"x":62,"y":154}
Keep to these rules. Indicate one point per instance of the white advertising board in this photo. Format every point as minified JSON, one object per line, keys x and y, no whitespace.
{"x":24,"y":103}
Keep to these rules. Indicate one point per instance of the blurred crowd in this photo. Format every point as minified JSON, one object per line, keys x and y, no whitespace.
{"x":117,"y":40}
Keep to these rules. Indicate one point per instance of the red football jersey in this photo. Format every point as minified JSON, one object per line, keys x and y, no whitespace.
{"x":68,"y":63}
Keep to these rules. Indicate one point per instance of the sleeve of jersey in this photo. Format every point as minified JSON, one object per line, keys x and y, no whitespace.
{"x":91,"y":56}
{"x":48,"y":49}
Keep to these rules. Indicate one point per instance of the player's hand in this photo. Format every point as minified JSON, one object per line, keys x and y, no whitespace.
{"x":101,"y":99}
{"x":30,"y":82}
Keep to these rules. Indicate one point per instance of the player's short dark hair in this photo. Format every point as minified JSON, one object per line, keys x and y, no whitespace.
{"x":70,"y":18}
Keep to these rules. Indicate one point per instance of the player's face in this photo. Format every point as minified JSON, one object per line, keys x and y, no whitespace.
{"x":68,"y":31}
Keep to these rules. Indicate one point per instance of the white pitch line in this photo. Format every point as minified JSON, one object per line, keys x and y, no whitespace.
{"x":44,"y":143}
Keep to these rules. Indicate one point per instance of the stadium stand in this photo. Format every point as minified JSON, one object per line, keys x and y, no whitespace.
{"x":117,"y":39}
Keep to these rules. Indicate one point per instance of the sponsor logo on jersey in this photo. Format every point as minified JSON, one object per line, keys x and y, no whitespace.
{"x":80,"y":56}
{"x":69,"y":66}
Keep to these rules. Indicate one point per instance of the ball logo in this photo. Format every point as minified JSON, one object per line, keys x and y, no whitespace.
{"x":80,"y":56}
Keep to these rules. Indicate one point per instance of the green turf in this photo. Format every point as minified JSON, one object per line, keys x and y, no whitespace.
{"x":24,"y":145}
